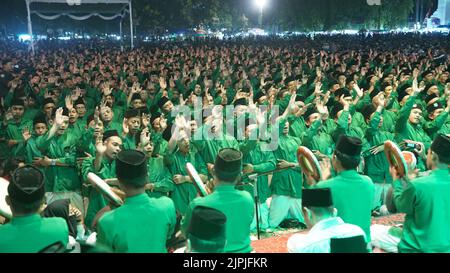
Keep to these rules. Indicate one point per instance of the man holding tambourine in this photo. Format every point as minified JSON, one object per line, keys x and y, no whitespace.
{"x":426,"y":202}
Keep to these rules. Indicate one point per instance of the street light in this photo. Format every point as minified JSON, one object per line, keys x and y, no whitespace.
{"x":261,"y":4}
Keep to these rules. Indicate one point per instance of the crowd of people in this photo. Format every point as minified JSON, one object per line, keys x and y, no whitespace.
{"x":78,"y":108}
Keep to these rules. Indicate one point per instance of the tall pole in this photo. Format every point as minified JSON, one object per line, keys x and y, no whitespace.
{"x":131,"y":25}
{"x":260,"y":16}
{"x":120,"y":33}
{"x":30,"y":29}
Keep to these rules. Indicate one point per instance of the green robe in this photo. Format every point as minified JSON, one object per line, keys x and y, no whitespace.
{"x":316,"y":139}
{"x":238,"y":208}
{"x":209,"y":147}
{"x":141,"y":225}
{"x":160,"y":176}
{"x":352,"y":195}
{"x":287,"y":182}
{"x":32,"y":233}
{"x":426,"y":202}
{"x":14,"y":132}
{"x":377,"y":166}
{"x":405,"y":130}
{"x":62,"y":149}
{"x":440,"y":125}
{"x":262,"y":161}
{"x":96,"y":199}
{"x":184,"y":193}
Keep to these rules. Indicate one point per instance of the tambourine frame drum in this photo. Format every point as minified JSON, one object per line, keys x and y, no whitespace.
{"x":197,"y":181}
{"x":104,"y":189}
{"x":309,"y":163}
{"x":5,"y":210}
{"x":395,"y":158}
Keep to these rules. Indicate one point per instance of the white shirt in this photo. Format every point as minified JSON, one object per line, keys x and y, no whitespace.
{"x":318,"y":238}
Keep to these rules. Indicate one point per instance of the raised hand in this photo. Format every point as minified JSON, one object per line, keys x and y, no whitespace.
{"x":162,"y":83}
{"x":26,"y":134}
{"x":69,"y":103}
{"x":59,"y":117}
{"x":100,"y":148}
{"x":145,"y":137}
{"x":125,"y":128}
{"x":145,"y":120}
{"x":325,"y":167}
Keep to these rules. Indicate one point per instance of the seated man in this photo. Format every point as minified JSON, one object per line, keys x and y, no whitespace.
{"x":320,"y":215}
{"x":206,"y":232}
{"x":235,"y":204}
{"x":28,"y":232}
{"x":141,"y":224}
{"x":426,"y":202}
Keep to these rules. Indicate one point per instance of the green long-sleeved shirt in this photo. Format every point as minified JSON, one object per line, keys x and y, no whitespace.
{"x":141,"y":225}
{"x":238,"y":208}
{"x":352,"y":195}
{"x":426,"y":202}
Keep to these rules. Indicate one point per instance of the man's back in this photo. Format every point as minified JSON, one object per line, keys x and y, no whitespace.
{"x":30,"y":234}
{"x":142,"y":224}
{"x":318,"y":238}
{"x":426,"y":203}
{"x":238,"y":208}
{"x":352,"y":196}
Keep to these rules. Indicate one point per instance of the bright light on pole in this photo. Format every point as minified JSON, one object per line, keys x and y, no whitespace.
{"x":261,"y":4}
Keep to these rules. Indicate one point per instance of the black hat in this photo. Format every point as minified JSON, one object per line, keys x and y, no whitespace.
{"x":289,"y":79}
{"x":207,"y":224}
{"x":430,"y":98}
{"x":336,"y":108}
{"x":342,"y":91}
{"x":27,"y":185}
{"x":131,"y":167}
{"x":350,"y":146}
{"x":374,"y":93}
{"x":428,"y":86}
{"x":368,"y":110}
{"x":154,"y":117}
{"x":48,"y":100}
{"x":79,"y":101}
{"x":39,"y":119}
{"x":241,"y":101}
{"x":441,"y":146}
{"x":17,"y":102}
{"x":426,"y":72}
{"x":228,"y":164}
{"x":136,"y":97}
{"x":402,"y":92}
{"x":434,"y":106}
{"x":259,"y":95}
{"x":317,"y":197}
{"x":162,"y":101}
{"x":132,"y":113}
{"x":310,"y":111}
{"x":109,"y":133}
{"x":417,"y":106}
{"x":355,"y":244}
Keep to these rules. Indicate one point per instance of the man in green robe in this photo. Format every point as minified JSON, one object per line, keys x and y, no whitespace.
{"x":15,"y":128}
{"x":59,"y":148}
{"x":426,"y":202}
{"x":352,"y":193}
{"x":376,"y":164}
{"x":102,"y":164}
{"x":142,"y":224}
{"x":235,"y":204}
{"x":28,"y":232}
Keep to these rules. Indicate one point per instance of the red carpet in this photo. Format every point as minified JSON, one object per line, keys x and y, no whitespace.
{"x":277,"y":243}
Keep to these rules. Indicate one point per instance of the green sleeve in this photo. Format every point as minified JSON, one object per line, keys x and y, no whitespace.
{"x":434,"y":126}
{"x":404,"y":198}
{"x":373,"y":126}
{"x":403,"y":115}
{"x":268,"y":165}
{"x":312,"y":131}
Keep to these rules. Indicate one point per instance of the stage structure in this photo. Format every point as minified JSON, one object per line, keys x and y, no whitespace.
{"x":80,"y":10}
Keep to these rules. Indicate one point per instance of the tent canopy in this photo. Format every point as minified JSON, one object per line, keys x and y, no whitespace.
{"x":79,"y":10}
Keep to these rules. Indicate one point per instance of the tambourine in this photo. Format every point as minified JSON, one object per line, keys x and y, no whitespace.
{"x":410,"y":159}
{"x":104,"y":189}
{"x":309,"y":163}
{"x":5,"y":210}
{"x":395,"y":158}
{"x":198,"y":183}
